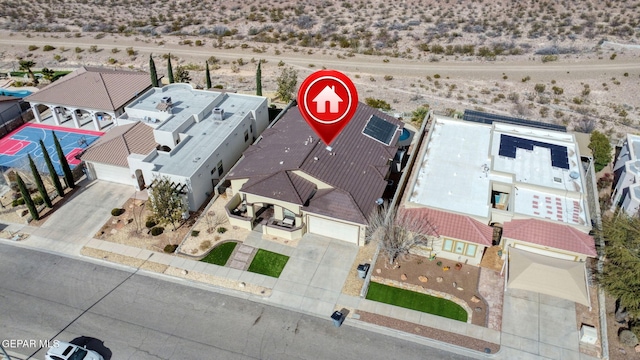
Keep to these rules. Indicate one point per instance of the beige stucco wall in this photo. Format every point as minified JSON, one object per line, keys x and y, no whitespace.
{"x":563,"y":253}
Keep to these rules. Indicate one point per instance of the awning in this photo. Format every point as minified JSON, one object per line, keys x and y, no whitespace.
{"x":565,"y":279}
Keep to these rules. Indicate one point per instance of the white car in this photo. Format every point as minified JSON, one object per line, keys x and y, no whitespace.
{"x":66,"y":351}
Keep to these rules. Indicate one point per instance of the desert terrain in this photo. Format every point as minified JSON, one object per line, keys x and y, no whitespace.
{"x":574,"y":63}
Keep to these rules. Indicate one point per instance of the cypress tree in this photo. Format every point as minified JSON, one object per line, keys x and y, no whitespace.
{"x":170,"y":70}
{"x":52,"y":170}
{"x":27,"y":198}
{"x":68,"y":175}
{"x":39,"y":183}
{"x":152,"y":70}
{"x":207,"y":75}
{"x":259,"y":79}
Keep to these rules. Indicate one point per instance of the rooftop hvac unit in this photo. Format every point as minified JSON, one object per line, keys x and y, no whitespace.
{"x":218,"y":114}
{"x":166,"y":100}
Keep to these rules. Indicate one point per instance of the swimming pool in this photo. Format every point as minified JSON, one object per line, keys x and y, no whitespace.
{"x":15,"y":93}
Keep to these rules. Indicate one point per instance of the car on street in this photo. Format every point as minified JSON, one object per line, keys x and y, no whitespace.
{"x":67,"y":351}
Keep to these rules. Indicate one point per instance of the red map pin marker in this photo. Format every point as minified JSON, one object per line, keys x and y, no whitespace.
{"x":327,"y":100}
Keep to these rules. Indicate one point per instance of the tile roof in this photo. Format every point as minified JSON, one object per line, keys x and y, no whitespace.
{"x":94,"y":88}
{"x":455,"y":225}
{"x":549,"y":234}
{"x":116,"y":145}
{"x":356,"y":166}
{"x":4,"y":98}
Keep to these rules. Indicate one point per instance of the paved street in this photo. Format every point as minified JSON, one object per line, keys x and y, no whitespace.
{"x":137,"y":316}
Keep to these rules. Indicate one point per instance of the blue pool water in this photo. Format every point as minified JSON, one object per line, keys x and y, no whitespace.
{"x":405,"y":135}
{"x":16,"y":93}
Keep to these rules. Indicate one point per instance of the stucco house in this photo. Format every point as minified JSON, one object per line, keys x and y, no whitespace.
{"x":626,"y":170}
{"x":191,"y":136}
{"x":291,"y":183}
{"x":524,"y":179}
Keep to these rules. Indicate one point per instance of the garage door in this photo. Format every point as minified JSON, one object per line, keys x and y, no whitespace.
{"x":333,"y":229}
{"x":112,"y":173}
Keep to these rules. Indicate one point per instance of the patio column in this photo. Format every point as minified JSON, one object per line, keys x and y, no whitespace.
{"x":74,"y":116}
{"x":56,"y":116}
{"x":36,"y":113}
{"x":94,"y":116}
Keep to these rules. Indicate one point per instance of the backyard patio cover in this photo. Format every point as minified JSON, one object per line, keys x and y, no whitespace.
{"x":547,"y":275}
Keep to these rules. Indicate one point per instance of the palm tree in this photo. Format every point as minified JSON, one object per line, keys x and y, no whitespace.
{"x":26,"y":65}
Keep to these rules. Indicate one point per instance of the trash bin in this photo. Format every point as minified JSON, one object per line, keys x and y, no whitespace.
{"x":362,"y":270}
{"x":337,"y":318}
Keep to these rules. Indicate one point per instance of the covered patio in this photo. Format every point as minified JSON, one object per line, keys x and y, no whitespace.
{"x":88,"y":96}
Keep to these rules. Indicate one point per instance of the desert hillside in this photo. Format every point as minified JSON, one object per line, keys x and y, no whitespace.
{"x":572,"y":62}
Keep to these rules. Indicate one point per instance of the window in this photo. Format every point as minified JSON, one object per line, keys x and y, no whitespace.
{"x":246,"y":135}
{"x":220,"y":170}
{"x":459,"y":247}
{"x":471,"y":250}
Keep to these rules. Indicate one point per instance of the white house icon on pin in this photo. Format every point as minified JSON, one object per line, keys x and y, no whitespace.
{"x":327,"y":95}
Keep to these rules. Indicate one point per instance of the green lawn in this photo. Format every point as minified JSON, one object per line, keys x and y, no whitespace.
{"x":220,"y":254}
{"x":268,"y":263}
{"x":416,"y":301}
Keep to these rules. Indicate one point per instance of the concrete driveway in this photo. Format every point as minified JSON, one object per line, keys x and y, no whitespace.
{"x":539,"y":326}
{"x":74,"y":224}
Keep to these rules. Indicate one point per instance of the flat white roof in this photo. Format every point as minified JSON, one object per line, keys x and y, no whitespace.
{"x":464,"y":158}
{"x":452,"y":174}
{"x":200,"y":138}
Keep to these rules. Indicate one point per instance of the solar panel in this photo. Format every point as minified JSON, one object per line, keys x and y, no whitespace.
{"x":509,"y":144}
{"x":486,"y":118}
{"x":380,"y":129}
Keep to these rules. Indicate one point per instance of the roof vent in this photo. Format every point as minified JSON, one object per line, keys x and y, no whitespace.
{"x":329,"y":148}
{"x":315,"y":158}
{"x":379,"y":201}
{"x":218,"y":114}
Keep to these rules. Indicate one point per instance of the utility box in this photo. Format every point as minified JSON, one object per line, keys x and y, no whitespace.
{"x":362,"y":270}
{"x":337,"y":318}
{"x":588,"y":334}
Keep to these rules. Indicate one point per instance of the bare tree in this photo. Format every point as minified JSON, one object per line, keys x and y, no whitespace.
{"x":398,"y":230}
{"x":214,"y":220}
{"x":137,"y":212}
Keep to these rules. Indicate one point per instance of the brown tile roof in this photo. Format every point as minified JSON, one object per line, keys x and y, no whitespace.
{"x":94,"y":88}
{"x":355,"y":167}
{"x":546,"y":233}
{"x":116,"y":145}
{"x":455,"y":225}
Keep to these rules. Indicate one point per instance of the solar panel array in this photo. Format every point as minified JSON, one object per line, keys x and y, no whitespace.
{"x":486,"y":118}
{"x":380,"y":129}
{"x":509,"y":144}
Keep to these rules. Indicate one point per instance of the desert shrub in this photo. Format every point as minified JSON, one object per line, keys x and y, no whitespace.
{"x":93,"y":49}
{"x":48,"y":48}
{"x":199,"y":43}
{"x":388,"y":77}
{"x":378,"y":104}
{"x":130,"y":51}
{"x":112,"y":61}
{"x":150,"y":223}
{"x":205,"y":245}
{"x":219,"y":86}
{"x":625,"y":74}
{"x":33,"y":47}
{"x":549,"y":58}
{"x":170,"y":249}
{"x":115,"y":50}
{"x":38,"y":200}
{"x":117,"y":211}
{"x":628,"y":338}
{"x":526,"y":78}
{"x":613,"y":56}
{"x":195,"y":233}
{"x":18,"y":201}
{"x":78,"y":50}
{"x":577,"y":100}
{"x":539,"y":88}
{"x":436,"y":76}
{"x":557,"y":90}
{"x":222,"y":230}
{"x":157,"y":230}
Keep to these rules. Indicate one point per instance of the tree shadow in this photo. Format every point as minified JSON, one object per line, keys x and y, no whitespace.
{"x":93,"y":344}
